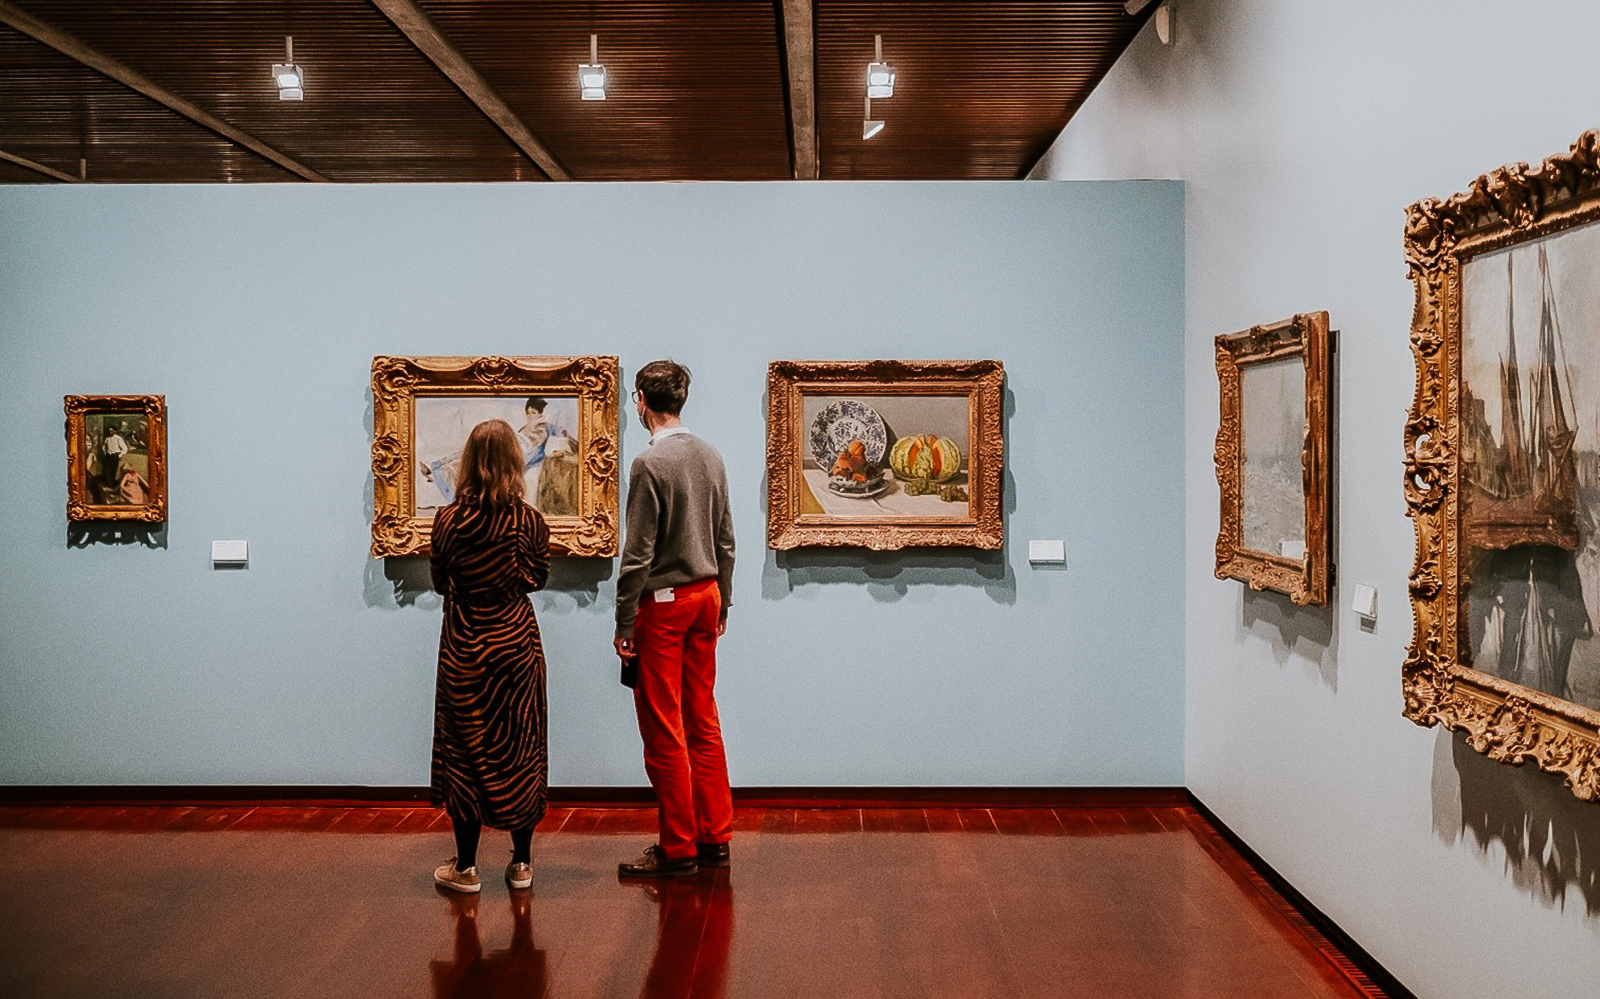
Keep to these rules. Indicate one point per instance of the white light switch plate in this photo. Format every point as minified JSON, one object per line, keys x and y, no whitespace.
{"x":1047,"y":551}
{"x":1365,"y":601}
{"x":230,"y":552}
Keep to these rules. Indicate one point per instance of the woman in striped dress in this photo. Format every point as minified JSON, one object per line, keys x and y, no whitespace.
{"x":490,"y":765}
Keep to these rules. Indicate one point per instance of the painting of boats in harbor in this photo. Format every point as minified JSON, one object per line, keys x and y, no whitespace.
{"x":1530,"y":436}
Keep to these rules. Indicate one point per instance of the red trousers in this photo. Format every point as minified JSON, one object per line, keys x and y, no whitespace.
{"x":683,"y":755}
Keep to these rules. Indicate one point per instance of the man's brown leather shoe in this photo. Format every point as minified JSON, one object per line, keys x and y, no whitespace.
{"x":655,"y":864}
{"x":713,"y":854}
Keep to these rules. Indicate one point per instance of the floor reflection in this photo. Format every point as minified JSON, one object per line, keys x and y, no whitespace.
{"x":519,"y":969}
{"x":694,"y":931}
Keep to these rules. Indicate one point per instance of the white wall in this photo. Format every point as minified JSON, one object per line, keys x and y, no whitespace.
{"x":1303,"y":129}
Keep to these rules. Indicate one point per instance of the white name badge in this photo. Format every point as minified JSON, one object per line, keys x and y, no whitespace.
{"x":664,"y":596}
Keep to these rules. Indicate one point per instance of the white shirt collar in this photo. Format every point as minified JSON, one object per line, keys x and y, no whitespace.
{"x":666,"y":432}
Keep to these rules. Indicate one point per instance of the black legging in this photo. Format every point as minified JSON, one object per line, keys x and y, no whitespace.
{"x":467,"y":832}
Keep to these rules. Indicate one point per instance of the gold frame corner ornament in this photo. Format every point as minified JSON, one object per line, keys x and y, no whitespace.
{"x":1304,"y":335}
{"x":397,"y":381}
{"x":981,"y":381}
{"x":80,"y":505}
{"x":1504,"y":720}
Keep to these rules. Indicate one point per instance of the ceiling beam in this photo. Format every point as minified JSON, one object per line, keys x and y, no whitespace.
{"x":71,"y":47}
{"x":800,"y":44}
{"x":39,"y":167}
{"x":416,"y":25}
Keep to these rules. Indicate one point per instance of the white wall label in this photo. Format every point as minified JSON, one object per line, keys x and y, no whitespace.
{"x":1365,"y":601}
{"x":1049,"y":552}
{"x":230,"y":552}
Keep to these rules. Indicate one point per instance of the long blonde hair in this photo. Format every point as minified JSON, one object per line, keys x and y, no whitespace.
{"x":491,"y":466}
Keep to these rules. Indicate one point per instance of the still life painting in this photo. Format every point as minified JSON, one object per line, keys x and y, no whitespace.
{"x":881,"y":453}
{"x":562,"y":409}
{"x":1502,"y":464}
{"x":116,"y":457}
{"x":1273,"y":457}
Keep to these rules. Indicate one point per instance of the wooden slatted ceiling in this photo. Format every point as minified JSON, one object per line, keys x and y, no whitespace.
{"x":981,"y":90}
{"x":697,"y":88}
{"x":374,"y":109}
{"x":54,"y":110}
{"x":10,"y":173}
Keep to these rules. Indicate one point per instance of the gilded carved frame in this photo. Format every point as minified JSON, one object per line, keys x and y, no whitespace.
{"x":982,"y":382}
{"x":1504,"y":720}
{"x":81,"y":504}
{"x":398,"y":381}
{"x":1306,"y":579}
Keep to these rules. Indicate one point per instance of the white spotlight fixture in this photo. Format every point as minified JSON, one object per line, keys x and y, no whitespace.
{"x":291,"y":79}
{"x":592,"y":75}
{"x":880,"y":75}
{"x":869,"y":128}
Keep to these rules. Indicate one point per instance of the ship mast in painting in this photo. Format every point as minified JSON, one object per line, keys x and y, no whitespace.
{"x":1525,"y":489}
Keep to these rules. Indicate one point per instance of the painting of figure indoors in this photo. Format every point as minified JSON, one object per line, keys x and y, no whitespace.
{"x":1273,"y":400}
{"x":118,"y":452}
{"x":1530,"y":419}
{"x":885,"y":455}
{"x":546,"y":427}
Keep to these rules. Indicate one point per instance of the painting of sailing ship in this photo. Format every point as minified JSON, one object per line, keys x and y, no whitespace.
{"x":1530,"y":419}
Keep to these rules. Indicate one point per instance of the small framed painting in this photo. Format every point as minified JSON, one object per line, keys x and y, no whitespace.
{"x":564,"y":412}
{"x":884,"y":454}
{"x":1272,"y":456}
{"x":116,"y":457}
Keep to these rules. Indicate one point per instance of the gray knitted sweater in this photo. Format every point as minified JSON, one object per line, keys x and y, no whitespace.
{"x":679,"y":525}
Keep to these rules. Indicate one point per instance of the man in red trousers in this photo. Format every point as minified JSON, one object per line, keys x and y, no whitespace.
{"x":673,"y":594}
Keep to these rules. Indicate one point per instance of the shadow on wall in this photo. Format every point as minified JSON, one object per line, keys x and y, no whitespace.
{"x":1551,"y":838}
{"x":85,"y":533}
{"x":396,"y":582}
{"x":1307,"y":632}
{"x":888,"y":576}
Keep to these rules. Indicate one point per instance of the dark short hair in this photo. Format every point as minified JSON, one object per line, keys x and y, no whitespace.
{"x":536,"y":404}
{"x":665,"y":386}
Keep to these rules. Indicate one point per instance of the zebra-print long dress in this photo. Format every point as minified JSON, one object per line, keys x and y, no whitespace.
{"x":490,"y":761}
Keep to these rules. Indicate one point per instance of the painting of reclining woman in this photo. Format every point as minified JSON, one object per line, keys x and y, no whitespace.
{"x":546,"y":429}
{"x":1530,"y":418}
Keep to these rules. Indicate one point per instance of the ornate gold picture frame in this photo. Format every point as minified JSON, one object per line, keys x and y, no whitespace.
{"x":564,"y":410}
{"x":116,"y":457}
{"x":1501,"y":464}
{"x":1272,"y":457}
{"x":884,"y":454}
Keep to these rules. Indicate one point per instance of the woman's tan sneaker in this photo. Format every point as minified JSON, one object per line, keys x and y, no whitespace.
{"x":446,"y":875}
{"x":519,"y":875}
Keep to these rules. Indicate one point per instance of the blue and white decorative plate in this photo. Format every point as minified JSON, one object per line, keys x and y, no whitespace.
{"x":844,"y":421}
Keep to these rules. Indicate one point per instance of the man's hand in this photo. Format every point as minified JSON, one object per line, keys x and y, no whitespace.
{"x":722,"y":623}
{"x":624,"y":647}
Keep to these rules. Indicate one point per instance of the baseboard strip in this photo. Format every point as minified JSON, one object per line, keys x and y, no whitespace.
{"x":325,"y":795}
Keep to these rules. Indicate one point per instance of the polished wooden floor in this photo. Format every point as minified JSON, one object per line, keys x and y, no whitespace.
{"x":1122,"y":902}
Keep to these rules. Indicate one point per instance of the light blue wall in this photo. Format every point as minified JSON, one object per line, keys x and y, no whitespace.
{"x":257,"y":310}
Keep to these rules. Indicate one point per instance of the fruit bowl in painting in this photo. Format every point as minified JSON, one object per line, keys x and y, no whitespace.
{"x":872,"y":485}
